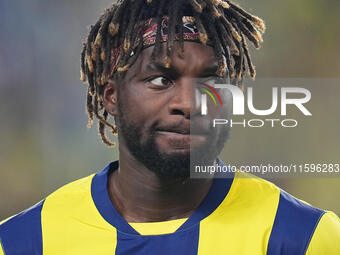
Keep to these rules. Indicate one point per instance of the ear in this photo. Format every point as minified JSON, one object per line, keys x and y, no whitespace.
{"x":110,"y":96}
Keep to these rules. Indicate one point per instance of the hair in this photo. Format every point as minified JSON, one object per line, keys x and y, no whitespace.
{"x":223,"y":22}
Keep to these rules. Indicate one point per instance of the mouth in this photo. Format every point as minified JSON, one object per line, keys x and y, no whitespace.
{"x":178,"y":131}
{"x":182,"y":135}
{"x":185,"y":130}
{"x":181,"y":139}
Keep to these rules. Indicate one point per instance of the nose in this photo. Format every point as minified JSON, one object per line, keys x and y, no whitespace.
{"x":183,"y":102}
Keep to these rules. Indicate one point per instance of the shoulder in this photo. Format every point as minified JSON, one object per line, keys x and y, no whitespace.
{"x":294,"y":225}
{"x":326,"y":238}
{"x":288,"y":207}
{"x":22,"y":233}
{"x":298,"y":227}
{"x":72,"y":192}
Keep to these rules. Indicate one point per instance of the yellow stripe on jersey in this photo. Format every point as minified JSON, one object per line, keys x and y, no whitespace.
{"x":326,"y":238}
{"x":71,"y":224}
{"x":1,"y":251}
{"x":244,"y":215}
{"x":157,"y":228}
{"x":244,"y":220}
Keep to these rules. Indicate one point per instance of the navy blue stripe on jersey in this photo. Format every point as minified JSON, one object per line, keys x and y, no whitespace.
{"x":294,"y":226}
{"x":100,"y":195}
{"x":179,"y":243}
{"x":103,"y":202}
{"x":214,"y":198}
{"x":22,"y":233}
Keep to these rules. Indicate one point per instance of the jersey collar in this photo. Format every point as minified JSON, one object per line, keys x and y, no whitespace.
{"x":217,"y":193}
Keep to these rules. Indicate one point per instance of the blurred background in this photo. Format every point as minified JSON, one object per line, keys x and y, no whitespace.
{"x":44,"y":142}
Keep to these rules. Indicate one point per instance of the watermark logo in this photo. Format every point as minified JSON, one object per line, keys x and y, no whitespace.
{"x":212,"y":93}
{"x":280,"y":96}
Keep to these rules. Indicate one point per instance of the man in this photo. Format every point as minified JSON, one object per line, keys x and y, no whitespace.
{"x":142,"y":60}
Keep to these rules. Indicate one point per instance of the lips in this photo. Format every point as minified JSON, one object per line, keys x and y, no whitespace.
{"x":179,"y":128}
{"x":184,"y":129}
{"x":181,"y":136}
{"x":180,"y":131}
{"x":179,"y":141}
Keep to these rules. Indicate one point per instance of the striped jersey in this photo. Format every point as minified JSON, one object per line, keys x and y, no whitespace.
{"x":241,"y":215}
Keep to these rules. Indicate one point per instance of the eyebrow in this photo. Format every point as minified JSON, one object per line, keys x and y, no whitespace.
{"x":159,"y":66}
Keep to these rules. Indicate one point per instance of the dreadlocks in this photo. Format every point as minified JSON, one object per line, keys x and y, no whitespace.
{"x":221,"y":21}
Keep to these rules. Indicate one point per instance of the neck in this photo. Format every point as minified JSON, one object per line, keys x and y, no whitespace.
{"x":139,"y":195}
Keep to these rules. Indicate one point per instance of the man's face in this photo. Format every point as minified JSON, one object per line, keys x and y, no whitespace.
{"x":158,"y":118}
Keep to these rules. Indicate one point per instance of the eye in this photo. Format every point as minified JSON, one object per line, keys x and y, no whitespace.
{"x":161,"y":81}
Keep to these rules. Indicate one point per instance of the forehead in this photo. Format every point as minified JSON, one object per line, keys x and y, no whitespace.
{"x":195,"y":57}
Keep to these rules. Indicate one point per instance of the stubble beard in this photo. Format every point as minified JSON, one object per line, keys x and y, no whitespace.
{"x":166,"y":165}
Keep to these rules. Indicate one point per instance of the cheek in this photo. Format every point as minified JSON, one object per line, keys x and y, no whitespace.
{"x":219,"y":111}
{"x":141,"y":106}
{"x":224,"y":111}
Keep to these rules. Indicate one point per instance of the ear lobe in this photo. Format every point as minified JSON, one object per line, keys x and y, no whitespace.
{"x":110,"y":98}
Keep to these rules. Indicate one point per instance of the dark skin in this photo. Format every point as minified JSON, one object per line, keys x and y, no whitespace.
{"x":154,"y":94}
